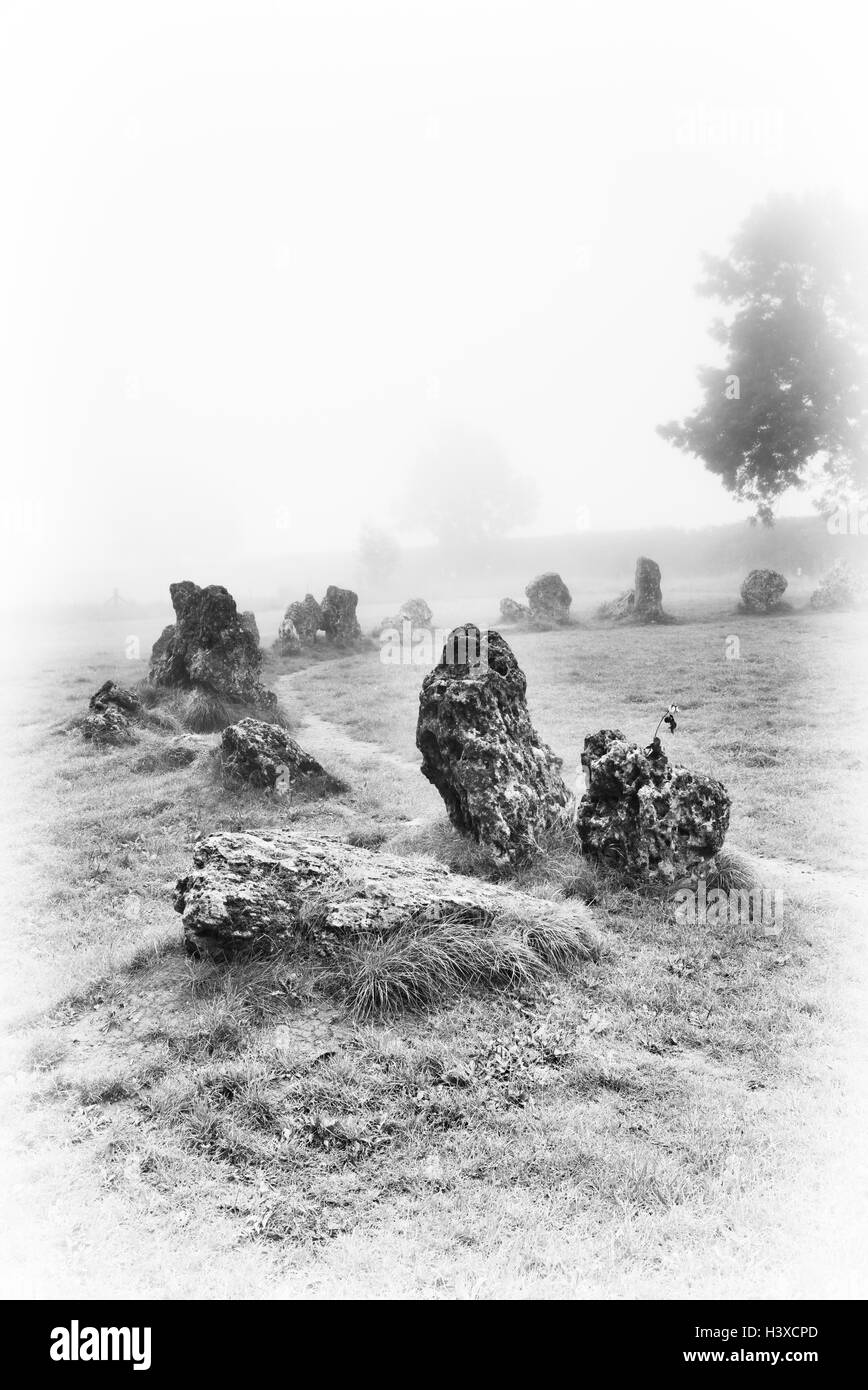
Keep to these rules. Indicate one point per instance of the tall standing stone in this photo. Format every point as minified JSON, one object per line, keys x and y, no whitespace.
{"x":209,"y":646}
{"x":647,"y":594}
{"x":339,"y":615}
{"x":501,"y":784}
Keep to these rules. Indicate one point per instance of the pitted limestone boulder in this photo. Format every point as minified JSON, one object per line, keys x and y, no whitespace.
{"x":501,"y":784}
{"x":646,"y":818}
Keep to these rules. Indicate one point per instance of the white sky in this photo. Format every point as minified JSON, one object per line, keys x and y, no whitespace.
{"x":251,"y":255}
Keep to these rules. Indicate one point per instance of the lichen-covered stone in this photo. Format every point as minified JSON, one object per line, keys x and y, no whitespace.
{"x":511,"y":611}
{"x":110,"y":693}
{"x":762,"y":591}
{"x":339,"y":615}
{"x":647,"y":818}
{"x":209,"y":647}
{"x":254,"y":886}
{"x":111,"y":712}
{"x":107,"y":726}
{"x":501,"y":784}
{"x":265,"y":756}
{"x":549,"y":600}
{"x":307,"y":620}
{"x":841,"y":587}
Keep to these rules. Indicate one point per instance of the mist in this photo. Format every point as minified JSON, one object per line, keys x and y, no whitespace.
{"x":256,"y":256}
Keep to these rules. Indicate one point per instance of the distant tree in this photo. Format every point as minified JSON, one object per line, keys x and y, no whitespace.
{"x":379,"y":552}
{"x":465,"y":492}
{"x":790,"y":406}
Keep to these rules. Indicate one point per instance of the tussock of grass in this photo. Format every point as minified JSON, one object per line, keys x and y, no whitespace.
{"x":732,"y":869}
{"x":422,"y":966}
{"x":202,"y":711}
{"x":367,"y":837}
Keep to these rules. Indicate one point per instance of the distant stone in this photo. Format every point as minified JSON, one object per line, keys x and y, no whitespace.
{"x":414,"y":611}
{"x":247,"y":887}
{"x":647,"y":594}
{"x":511,"y":611}
{"x":265,"y":756}
{"x":288,"y":641}
{"x":841,"y":588}
{"x":501,"y":784}
{"x":307,"y":620}
{"x":209,"y":647}
{"x":249,"y":620}
{"x":108,"y":726}
{"x":646,"y":818}
{"x":339,"y":615}
{"x":549,"y":600}
{"x":762,"y":591}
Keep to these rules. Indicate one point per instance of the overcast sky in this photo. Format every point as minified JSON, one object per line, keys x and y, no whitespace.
{"x":252,"y":255}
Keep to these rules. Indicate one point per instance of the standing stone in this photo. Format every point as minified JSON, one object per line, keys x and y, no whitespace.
{"x":209,"y":647}
{"x":306,"y":618}
{"x":648,"y":819}
{"x":549,"y":600}
{"x":288,"y":641}
{"x":513,"y":612}
{"x":648,"y":598}
{"x":339,"y":615}
{"x":248,"y":618}
{"x":415,"y":611}
{"x":840,"y":588}
{"x":501,"y":784}
{"x":762,"y":591}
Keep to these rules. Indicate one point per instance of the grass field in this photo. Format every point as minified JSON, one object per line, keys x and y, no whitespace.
{"x":679,"y":1118}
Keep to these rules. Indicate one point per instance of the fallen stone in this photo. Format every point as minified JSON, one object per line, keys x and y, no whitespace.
{"x":261,"y":886}
{"x":339,"y":615}
{"x":646,"y":818}
{"x":209,"y":647}
{"x":501,"y":784}
{"x":549,"y":600}
{"x":762,"y":591}
{"x":265,"y":756}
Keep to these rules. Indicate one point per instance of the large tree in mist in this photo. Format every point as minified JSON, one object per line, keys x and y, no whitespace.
{"x":464,"y":490}
{"x":790,"y":406}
